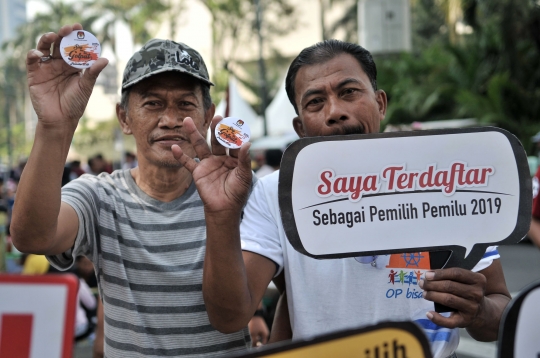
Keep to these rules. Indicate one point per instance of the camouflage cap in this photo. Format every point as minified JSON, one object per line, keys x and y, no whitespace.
{"x":158,"y":56}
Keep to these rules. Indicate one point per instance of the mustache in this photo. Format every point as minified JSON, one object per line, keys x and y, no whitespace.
{"x":155,"y":136}
{"x":347,"y":130}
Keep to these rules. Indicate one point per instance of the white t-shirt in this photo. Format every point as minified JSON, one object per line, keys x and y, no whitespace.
{"x":329,"y":295}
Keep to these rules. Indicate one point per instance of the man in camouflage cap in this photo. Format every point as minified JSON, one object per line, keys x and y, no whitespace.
{"x":143,"y":228}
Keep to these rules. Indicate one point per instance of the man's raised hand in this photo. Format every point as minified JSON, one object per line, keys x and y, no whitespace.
{"x":59,"y":92}
{"x":223,"y":181}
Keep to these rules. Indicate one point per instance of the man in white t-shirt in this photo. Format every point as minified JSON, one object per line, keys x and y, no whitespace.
{"x":332,"y":86}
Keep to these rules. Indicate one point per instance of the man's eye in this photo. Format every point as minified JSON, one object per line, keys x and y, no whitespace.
{"x":151,"y":103}
{"x":186,"y":104}
{"x":314,"y":101}
{"x":349,"y":91}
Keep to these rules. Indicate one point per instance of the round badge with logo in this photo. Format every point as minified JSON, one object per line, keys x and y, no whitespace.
{"x":232,"y":132}
{"x":80,"y":49}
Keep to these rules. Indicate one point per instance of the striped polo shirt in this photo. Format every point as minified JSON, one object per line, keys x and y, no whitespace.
{"x":148,"y":257}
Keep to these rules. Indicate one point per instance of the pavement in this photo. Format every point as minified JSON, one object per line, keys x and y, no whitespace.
{"x":83,"y":349}
{"x":521,"y":266}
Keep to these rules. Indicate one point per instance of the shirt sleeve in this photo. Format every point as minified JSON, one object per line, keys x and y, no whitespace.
{"x":82,"y":196}
{"x":491,"y":254}
{"x":259,"y":230}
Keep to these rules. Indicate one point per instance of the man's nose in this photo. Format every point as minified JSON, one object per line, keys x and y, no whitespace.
{"x":171,"y":118}
{"x":335,"y":113}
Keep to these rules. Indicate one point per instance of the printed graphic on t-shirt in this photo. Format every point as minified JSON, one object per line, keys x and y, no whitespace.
{"x":404,"y":272}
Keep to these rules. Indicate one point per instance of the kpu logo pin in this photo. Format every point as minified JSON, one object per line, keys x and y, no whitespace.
{"x":232,"y":132}
{"x":80,"y":49}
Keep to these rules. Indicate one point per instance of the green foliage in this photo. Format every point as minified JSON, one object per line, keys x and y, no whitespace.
{"x":491,"y":74}
{"x":140,"y":16}
{"x":98,"y":17}
{"x":101,"y":138}
{"x":234,"y":27}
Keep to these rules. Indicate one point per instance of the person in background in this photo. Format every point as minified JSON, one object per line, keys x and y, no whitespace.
{"x":272,"y":162}
{"x":85,"y":270}
{"x":75,"y":169}
{"x":97,"y":165}
{"x":86,"y":302}
{"x":34,"y":264}
{"x":534,"y":231}
{"x":130,"y":161}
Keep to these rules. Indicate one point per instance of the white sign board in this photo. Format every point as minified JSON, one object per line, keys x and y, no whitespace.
{"x":459,"y":190}
{"x":518,"y":333}
{"x":37,"y":315}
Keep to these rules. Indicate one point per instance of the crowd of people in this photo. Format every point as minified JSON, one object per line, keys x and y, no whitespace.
{"x":9,"y":181}
{"x":185,"y":244}
{"x":86,"y":320}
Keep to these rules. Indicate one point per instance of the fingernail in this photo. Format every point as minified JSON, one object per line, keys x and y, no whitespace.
{"x":421,"y":283}
{"x":429,"y":275}
{"x":429,"y":315}
{"x":39,"y":53}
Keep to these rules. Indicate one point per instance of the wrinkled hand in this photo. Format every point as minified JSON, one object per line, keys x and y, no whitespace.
{"x":259,"y":331}
{"x":59,"y":92}
{"x":457,"y":288}
{"x":223,"y":181}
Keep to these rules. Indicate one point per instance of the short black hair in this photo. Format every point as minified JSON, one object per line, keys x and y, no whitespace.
{"x":273,"y":157}
{"x":323,"y":52}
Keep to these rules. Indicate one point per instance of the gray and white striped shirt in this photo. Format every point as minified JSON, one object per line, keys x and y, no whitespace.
{"x":149,"y":258}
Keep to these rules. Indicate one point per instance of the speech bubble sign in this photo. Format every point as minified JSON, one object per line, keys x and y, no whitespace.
{"x":386,"y":339}
{"x":518,"y":332}
{"x":459,"y":190}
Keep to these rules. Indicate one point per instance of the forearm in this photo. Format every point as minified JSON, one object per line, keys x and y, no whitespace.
{"x":37,"y":203}
{"x":99,"y":339}
{"x":281,"y":328}
{"x":227,"y":295}
{"x":485,"y":327}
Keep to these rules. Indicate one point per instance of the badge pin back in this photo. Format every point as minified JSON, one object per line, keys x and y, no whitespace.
{"x":80,"y":49}
{"x":232,"y":132}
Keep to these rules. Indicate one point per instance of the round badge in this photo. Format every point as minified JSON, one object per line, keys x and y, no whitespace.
{"x":232,"y":132}
{"x":80,"y":49}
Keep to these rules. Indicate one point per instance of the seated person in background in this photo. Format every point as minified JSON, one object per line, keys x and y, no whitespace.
{"x":86,"y":302}
{"x":34,"y":264}
{"x":272,"y":162}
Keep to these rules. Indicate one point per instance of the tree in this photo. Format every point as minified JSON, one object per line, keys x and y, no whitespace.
{"x":490,"y":74}
{"x":233,"y":27}
{"x":98,"y":17}
{"x":13,"y":89}
{"x":141,"y":17}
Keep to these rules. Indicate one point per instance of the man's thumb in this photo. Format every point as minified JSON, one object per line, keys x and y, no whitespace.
{"x":90,"y":75}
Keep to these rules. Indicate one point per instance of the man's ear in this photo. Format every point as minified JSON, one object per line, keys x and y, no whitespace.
{"x":382,"y":101}
{"x":298,"y":127}
{"x":121,"y":114}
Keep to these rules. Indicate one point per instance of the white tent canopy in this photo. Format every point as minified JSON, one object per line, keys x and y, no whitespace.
{"x":239,"y":108}
{"x":280,"y":113}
